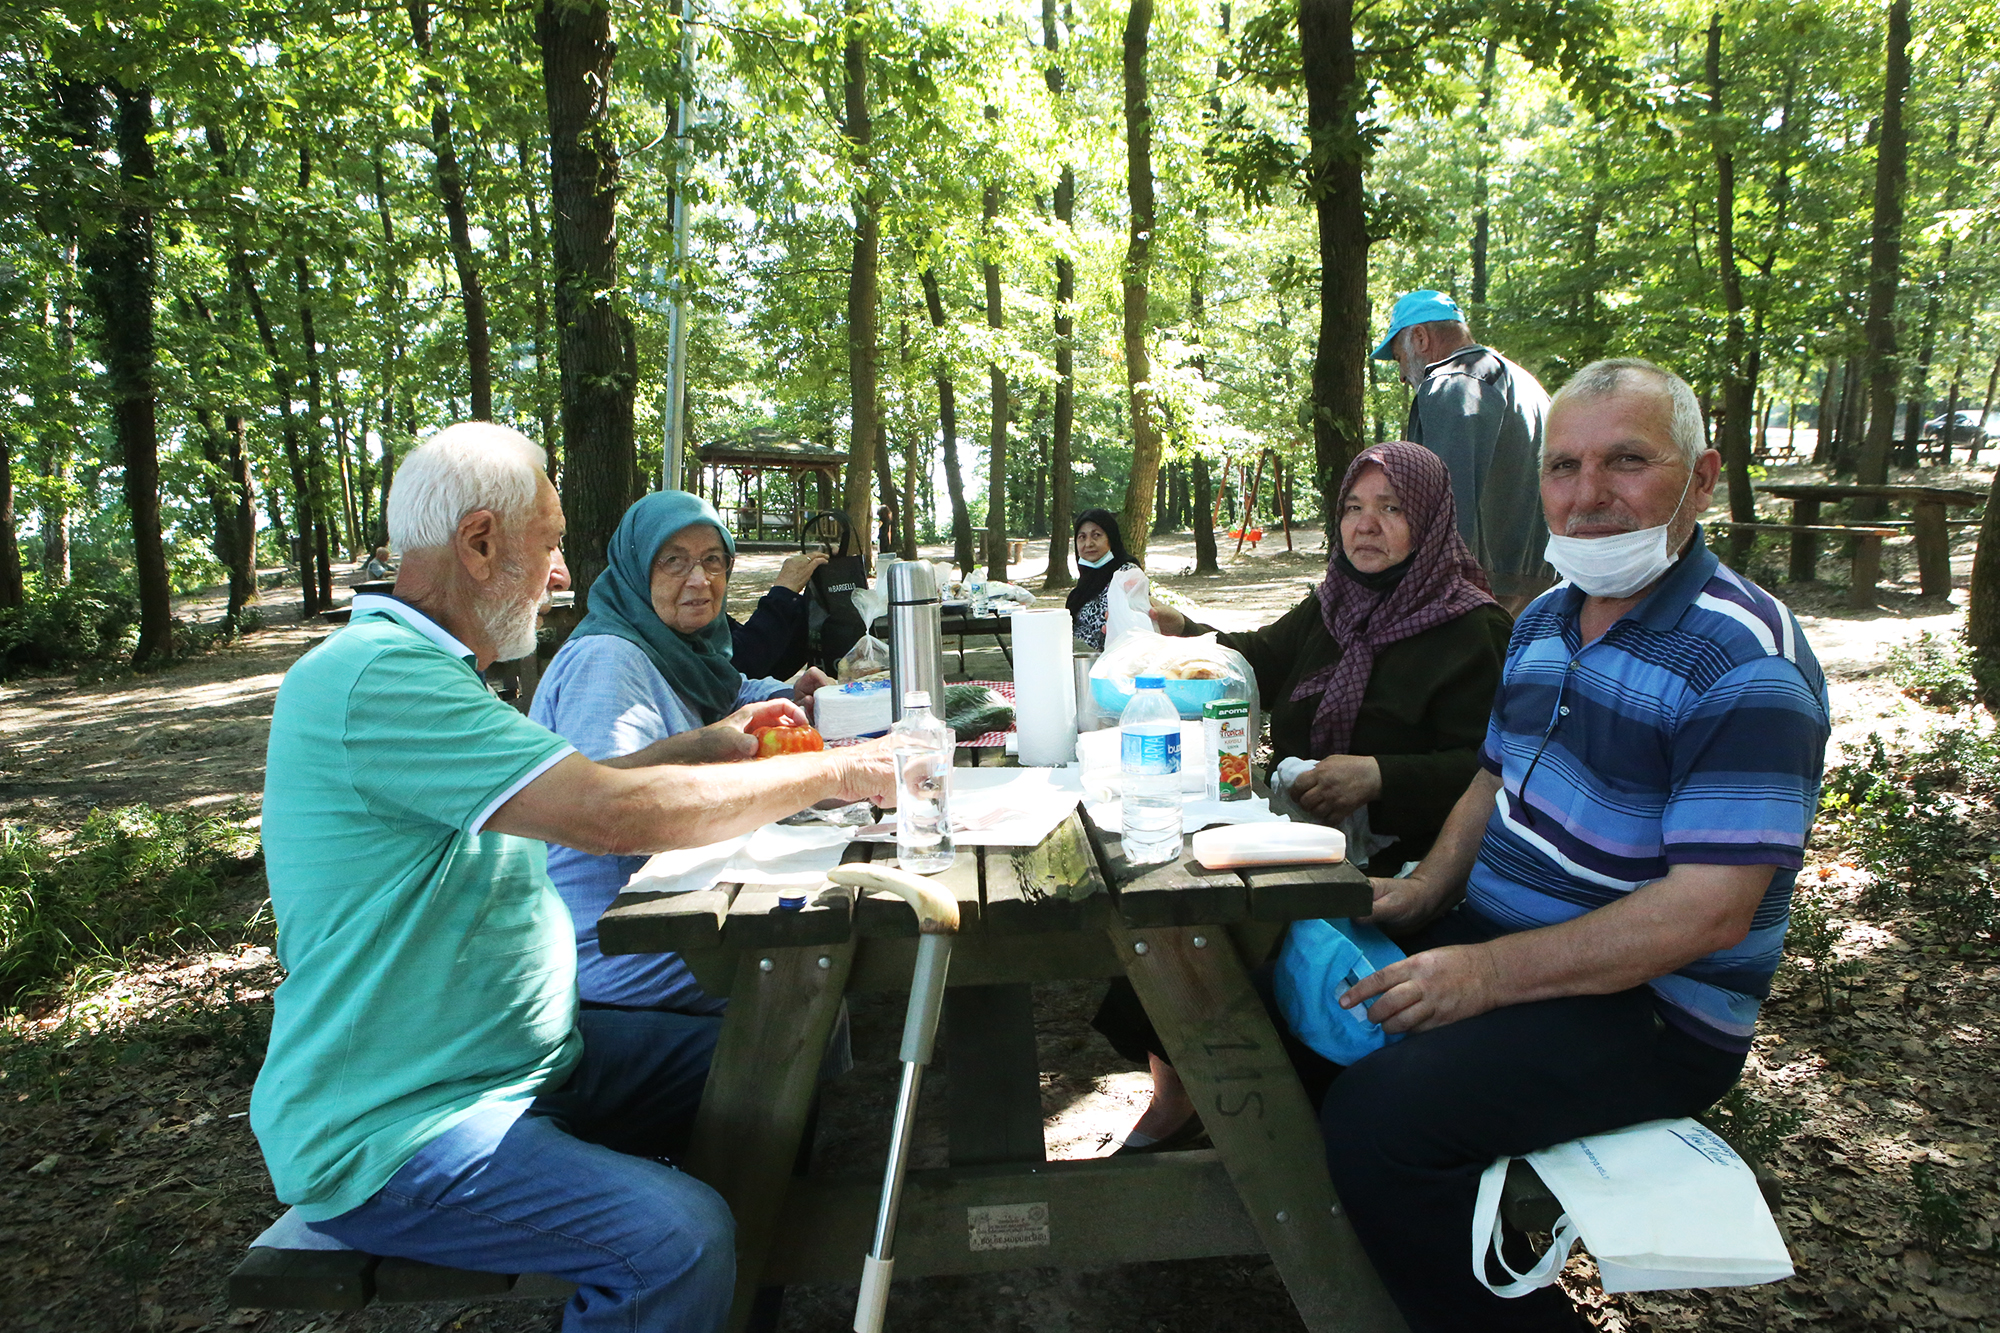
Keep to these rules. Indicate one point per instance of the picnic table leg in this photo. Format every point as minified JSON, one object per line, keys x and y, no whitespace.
{"x":1933,"y":548}
{"x":1198,"y":994}
{"x":1805,"y":545}
{"x":1867,"y":571}
{"x":993,"y":1078}
{"x":760,"y":1090}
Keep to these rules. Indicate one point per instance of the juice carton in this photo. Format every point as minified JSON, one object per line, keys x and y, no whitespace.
{"x":1227,"y":724}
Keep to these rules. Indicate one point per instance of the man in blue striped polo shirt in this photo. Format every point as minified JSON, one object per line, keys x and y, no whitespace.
{"x":1593,"y":931}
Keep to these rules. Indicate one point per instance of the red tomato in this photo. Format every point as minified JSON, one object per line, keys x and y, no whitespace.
{"x":786,"y":740}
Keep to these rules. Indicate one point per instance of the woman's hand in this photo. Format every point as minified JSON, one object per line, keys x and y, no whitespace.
{"x":797,"y":571}
{"x":1167,"y":620}
{"x":1337,"y":786}
{"x":803,"y":685}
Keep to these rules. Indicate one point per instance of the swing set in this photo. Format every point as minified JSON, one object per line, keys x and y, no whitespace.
{"x":1252,"y":482}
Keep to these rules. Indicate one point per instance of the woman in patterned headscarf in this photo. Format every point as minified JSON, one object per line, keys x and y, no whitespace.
{"x":1382,"y":679}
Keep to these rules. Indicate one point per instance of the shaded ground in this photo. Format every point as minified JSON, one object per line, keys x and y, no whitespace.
{"x":129,"y":1182}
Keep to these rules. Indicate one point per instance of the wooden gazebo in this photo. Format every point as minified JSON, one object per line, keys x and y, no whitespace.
{"x":731,"y":474}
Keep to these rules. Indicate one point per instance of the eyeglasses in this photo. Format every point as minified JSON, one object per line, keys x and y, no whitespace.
{"x":715,"y":564}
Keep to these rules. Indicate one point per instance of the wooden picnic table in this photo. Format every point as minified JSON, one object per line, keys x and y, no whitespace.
{"x":958,"y":621}
{"x":1070,"y":908}
{"x":1929,"y":526}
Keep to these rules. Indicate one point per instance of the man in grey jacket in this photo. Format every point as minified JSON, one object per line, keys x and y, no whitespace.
{"x":1482,"y":415}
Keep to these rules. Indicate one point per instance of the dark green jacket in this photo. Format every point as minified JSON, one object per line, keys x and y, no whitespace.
{"x":1423,"y":717}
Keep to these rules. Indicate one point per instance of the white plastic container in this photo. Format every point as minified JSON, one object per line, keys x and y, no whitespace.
{"x":1149,"y":748}
{"x":923,"y":746}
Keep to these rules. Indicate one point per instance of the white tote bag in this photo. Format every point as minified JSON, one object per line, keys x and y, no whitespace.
{"x":1662,"y":1206}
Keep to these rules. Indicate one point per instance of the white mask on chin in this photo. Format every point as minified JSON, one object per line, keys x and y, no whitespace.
{"x":1098,"y":563}
{"x":1618,"y":565}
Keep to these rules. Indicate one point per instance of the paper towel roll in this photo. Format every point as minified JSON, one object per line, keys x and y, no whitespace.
{"x":1044,"y":687}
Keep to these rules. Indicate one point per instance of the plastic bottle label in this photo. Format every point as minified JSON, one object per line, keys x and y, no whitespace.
{"x":1151,"y":754}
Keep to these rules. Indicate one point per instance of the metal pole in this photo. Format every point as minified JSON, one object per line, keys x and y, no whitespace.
{"x":676,"y":283}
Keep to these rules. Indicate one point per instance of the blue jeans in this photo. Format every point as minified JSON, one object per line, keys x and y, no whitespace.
{"x":1410,"y":1129}
{"x":557,"y":1188}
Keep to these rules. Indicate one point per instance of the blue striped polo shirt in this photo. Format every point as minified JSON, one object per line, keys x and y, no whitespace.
{"x":1692,"y":732}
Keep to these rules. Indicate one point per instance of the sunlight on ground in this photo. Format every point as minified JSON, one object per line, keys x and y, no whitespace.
{"x":1078,"y":1130}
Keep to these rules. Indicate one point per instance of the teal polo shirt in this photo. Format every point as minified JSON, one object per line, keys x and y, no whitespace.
{"x":431,"y":966}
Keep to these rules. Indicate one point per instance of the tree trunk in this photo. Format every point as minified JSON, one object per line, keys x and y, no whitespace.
{"x":393,"y":297}
{"x":1204,"y":518}
{"x":907,"y":547}
{"x":232,"y":496}
{"x":1146,"y":444}
{"x":996,"y":384}
{"x":119,"y":269}
{"x":12,"y":590}
{"x":1326,"y":47}
{"x":595,"y":347}
{"x":1986,"y":406}
{"x":451,"y":188}
{"x":1482,"y":217}
{"x":1885,"y":260}
{"x":864,"y":436}
{"x":1982,"y":606}
{"x":322,"y":543}
{"x":298,"y":542}
{"x":243,"y":519}
{"x":1062,"y":484}
{"x":963,"y":552}
{"x":58,"y":444}
{"x":545,"y":406}
{"x":1738,"y":389}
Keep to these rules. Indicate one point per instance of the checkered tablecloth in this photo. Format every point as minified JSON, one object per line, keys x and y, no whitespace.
{"x":989,"y":740}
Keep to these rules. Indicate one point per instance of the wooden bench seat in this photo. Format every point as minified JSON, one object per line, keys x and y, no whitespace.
{"x":291,"y":1267}
{"x":1885,"y":528}
{"x":1867,"y":560}
{"x":272,"y":1278}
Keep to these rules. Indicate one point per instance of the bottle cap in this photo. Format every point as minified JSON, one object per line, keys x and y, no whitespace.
{"x":1149,"y":683}
{"x":791,"y":902}
{"x":916,"y":698}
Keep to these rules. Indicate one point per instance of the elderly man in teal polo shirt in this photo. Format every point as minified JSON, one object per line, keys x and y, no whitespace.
{"x":432,"y":1090}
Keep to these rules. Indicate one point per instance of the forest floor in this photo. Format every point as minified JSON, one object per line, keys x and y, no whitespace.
{"x":130,"y":1183}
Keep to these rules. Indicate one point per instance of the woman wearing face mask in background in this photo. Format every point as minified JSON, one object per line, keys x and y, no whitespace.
{"x":1100,"y":553}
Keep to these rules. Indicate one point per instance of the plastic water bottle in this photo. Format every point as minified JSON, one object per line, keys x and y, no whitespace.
{"x":975,"y":588}
{"x":923,"y":746}
{"x":1149,"y":754}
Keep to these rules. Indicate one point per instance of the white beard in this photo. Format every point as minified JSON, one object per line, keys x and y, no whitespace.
{"x":511,"y":625}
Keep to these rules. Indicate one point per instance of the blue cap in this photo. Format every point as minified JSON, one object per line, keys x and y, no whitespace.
{"x":1420,"y":307}
{"x":1149,"y":683}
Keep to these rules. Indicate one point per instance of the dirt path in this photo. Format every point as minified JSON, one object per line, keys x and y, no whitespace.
{"x":137,"y":1092}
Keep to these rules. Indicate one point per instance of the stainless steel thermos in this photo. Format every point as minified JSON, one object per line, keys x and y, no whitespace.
{"x":916,"y":644}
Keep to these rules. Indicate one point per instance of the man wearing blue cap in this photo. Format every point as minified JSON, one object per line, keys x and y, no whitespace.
{"x":1482,"y":415}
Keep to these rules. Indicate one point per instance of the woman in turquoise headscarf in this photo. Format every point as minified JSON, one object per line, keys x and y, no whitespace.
{"x":649,"y":661}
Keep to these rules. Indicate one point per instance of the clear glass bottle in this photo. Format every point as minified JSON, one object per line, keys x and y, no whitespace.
{"x":1149,"y":764}
{"x":923,"y":745}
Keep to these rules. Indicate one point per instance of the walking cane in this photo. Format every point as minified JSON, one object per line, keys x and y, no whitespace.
{"x":937,"y":918}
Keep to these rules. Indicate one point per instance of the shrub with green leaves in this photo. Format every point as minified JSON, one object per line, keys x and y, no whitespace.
{"x":135,"y":878}
{"x":1937,"y":1213}
{"x":1935,"y":670}
{"x":1751,"y":1125}
{"x":66,"y":627}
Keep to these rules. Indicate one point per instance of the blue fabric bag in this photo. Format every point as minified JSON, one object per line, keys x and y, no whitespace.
{"x":1320,"y":960}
